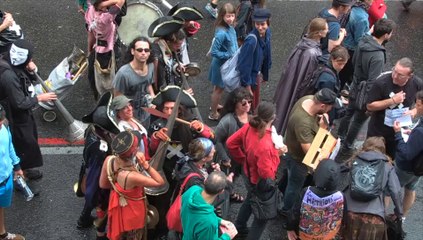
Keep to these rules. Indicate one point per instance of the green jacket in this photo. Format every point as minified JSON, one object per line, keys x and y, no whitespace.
{"x":199,"y":222}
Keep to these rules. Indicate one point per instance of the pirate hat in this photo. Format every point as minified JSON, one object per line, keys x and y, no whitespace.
{"x":125,"y":144}
{"x":169,"y":94}
{"x":164,"y":26}
{"x":103,"y":115}
{"x":186,"y":11}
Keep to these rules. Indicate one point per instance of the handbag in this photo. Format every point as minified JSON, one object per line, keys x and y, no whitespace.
{"x":173,"y":215}
{"x":266,"y":199}
{"x":361,"y":98}
{"x":104,"y":77}
{"x":231,"y":77}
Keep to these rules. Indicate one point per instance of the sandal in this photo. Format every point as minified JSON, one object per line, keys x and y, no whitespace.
{"x":237,"y":198}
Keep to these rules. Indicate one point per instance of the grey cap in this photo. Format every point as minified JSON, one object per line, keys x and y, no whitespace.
{"x":120,"y":102}
{"x":326,"y":96}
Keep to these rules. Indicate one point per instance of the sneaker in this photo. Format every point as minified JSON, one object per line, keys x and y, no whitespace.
{"x":12,"y":236}
{"x":211,"y":10}
{"x":85,"y":222}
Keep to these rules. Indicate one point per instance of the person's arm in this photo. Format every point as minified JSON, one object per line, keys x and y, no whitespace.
{"x":385,"y":103}
{"x":104,"y":180}
{"x":245,"y":61}
{"x":15,"y":93}
{"x":332,"y":43}
{"x":202,"y":129}
{"x":155,"y":180}
{"x":218,"y":44}
{"x":305,"y":136}
{"x":265,"y":159}
{"x":91,"y":42}
{"x":7,"y":22}
{"x":235,"y":145}
{"x":412,"y":148}
{"x":360,"y":29}
{"x":208,"y":231}
{"x":221,"y":135}
{"x":12,"y":153}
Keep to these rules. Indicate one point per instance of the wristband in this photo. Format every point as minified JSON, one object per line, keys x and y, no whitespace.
{"x":393,"y":100}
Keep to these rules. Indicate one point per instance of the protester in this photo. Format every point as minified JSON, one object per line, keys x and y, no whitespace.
{"x":357,"y":26}
{"x":127,"y":205}
{"x":407,"y":154}
{"x":101,"y":30}
{"x":9,"y":31}
{"x":223,"y":47}
{"x":9,"y":170}
{"x":305,"y":118}
{"x":97,"y":146}
{"x":389,"y":93}
{"x":369,"y":59}
{"x":135,"y":79}
{"x":366,"y":218}
{"x":17,"y":97}
{"x":199,"y":220}
{"x":320,"y":211}
{"x":336,"y":34}
{"x":255,"y":59}
{"x":302,"y":62}
{"x":260,"y":164}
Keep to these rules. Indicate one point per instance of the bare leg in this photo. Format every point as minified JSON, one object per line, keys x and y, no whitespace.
{"x":2,"y":227}
{"x":215,"y":99}
{"x":409,"y":198}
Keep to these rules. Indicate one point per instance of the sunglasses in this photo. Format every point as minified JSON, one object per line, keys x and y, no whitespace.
{"x":244,"y":102}
{"x":147,"y":50}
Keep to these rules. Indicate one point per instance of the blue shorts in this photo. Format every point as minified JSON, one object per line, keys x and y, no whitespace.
{"x":6,"y":192}
{"x":407,"y":179}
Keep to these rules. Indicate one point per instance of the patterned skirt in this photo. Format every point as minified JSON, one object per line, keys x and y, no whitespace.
{"x":364,"y":226}
{"x":137,"y":234}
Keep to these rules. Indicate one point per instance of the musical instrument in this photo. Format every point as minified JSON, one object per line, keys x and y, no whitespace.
{"x":192,"y":69}
{"x":157,"y":113}
{"x":76,"y":128}
{"x":139,"y":16}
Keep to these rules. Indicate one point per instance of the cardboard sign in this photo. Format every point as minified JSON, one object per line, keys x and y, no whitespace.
{"x":322,"y":146}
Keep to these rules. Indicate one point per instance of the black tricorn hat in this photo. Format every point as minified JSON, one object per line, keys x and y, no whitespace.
{"x":186,"y":11}
{"x":164,"y":26}
{"x":169,"y":94}
{"x":103,"y":115}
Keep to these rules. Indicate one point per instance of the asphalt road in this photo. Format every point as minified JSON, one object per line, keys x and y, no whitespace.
{"x":55,"y":26}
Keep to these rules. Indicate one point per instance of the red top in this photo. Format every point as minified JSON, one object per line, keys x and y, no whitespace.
{"x":123,"y":219}
{"x":376,"y":11}
{"x":261,"y":154}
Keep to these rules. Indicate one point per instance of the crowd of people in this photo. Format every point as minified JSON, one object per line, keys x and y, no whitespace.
{"x":147,"y":150}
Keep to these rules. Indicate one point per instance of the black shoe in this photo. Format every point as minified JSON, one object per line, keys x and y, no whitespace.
{"x":33,"y":174}
{"x":84,"y":222}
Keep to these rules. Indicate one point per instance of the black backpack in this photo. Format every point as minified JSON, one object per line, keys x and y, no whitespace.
{"x":367,"y":178}
{"x":328,"y":20}
{"x":308,"y":87}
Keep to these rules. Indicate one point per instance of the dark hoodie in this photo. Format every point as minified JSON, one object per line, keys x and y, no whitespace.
{"x":369,"y":59}
{"x":322,"y":197}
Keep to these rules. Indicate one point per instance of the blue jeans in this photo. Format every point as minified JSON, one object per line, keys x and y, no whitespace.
{"x":258,"y":226}
{"x":297,"y":174}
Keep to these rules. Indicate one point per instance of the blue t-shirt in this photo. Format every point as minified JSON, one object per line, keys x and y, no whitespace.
{"x":333,"y":34}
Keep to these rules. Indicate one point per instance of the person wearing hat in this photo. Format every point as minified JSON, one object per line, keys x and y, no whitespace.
{"x":336,"y":34}
{"x":182,"y":135}
{"x":127,"y":205}
{"x":302,"y":62}
{"x":97,"y":146}
{"x":101,"y":29}
{"x":9,"y":170}
{"x":306,"y":117}
{"x":18,"y":98}
{"x":322,"y":198}
{"x":135,"y":79}
{"x":255,"y":57}
{"x":191,"y":15}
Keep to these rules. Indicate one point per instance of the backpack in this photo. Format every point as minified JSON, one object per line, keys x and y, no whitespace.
{"x":319,"y":15}
{"x":173,"y":216}
{"x":367,"y":179}
{"x":308,"y":87}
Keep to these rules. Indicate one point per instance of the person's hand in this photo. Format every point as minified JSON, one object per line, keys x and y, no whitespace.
{"x":412,"y":112}
{"x":45,"y":97}
{"x":141,"y":160}
{"x":215,"y":166}
{"x":399,"y":97}
{"x":197,"y":125}
{"x":18,"y":173}
{"x":7,"y":20}
{"x":31,"y":67}
{"x":292,"y":235}
{"x":397,"y":126}
{"x":229,"y":228}
{"x":324,"y":121}
{"x":282,"y":150}
{"x":342,"y":32}
{"x":81,"y":10}
{"x":190,"y":91}
{"x":227,"y":163}
{"x":162,"y":135}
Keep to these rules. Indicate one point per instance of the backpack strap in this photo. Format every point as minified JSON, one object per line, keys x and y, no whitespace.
{"x":187,"y":178}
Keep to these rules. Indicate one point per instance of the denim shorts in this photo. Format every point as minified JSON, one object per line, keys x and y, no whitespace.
{"x":6,"y":192}
{"x":407,"y":179}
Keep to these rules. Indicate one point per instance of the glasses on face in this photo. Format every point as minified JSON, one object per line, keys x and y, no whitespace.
{"x":147,"y":50}
{"x":244,"y":102}
{"x":399,"y":75}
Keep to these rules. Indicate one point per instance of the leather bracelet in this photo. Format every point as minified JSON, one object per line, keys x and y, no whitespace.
{"x":393,"y":100}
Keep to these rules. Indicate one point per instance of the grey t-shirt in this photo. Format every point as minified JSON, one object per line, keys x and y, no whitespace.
{"x":134,"y":86}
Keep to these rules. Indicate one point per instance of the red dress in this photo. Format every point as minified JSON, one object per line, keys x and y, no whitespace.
{"x":127,"y":218}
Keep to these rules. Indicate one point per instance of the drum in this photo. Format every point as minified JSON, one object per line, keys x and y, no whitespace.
{"x":140,"y":14}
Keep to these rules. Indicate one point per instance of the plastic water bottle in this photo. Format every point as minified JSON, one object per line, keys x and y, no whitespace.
{"x":25,"y":189}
